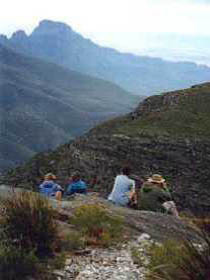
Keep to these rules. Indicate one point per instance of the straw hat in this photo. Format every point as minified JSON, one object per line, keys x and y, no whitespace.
{"x":49,"y":176}
{"x":156,"y":178}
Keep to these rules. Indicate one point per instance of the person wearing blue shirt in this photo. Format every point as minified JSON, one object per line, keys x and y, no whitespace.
{"x":76,"y":185}
{"x":49,"y":187}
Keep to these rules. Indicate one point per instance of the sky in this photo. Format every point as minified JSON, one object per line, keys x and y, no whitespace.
{"x":123,"y":24}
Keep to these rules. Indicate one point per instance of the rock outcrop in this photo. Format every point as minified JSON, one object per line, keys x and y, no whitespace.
{"x":159,"y":226}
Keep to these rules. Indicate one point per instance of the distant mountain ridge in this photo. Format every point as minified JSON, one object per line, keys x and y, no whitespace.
{"x":57,"y":42}
{"x":43,"y":105}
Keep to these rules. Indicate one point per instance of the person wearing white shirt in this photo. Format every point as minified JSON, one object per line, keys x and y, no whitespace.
{"x":123,"y":189}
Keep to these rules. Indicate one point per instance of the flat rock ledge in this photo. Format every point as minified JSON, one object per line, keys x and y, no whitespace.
{"x":159,"y":226}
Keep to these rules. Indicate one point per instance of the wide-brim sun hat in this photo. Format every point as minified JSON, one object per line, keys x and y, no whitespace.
{"x":156,"y":178}
{"x":49,"y":176}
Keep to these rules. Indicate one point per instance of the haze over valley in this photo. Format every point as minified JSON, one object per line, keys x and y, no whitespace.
{"x":43,"y":105}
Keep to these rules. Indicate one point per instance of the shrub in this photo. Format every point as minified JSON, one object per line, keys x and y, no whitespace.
{"x":57,"y":262}
{"x":185,"y":261}
{"x":28,"y":221}
{"x":74,"y":241}
{"x":164,"y":260}
{"x":16,"y":264}
{"x":97,"y":224}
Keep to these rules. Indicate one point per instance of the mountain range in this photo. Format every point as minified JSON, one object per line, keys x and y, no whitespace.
{"x":58,"y":43}
{"x":43,"y":105}
{"x":167,"y":134}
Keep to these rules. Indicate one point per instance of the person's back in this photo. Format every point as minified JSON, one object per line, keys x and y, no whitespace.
{"x":123,"y":186}
{"x":49,"y":187}
{"x":151,"y":197}
{"x":76,"y":185}
{"x":155,"y":196}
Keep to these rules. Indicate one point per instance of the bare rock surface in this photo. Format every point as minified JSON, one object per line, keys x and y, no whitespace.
{"x":159,"y":226}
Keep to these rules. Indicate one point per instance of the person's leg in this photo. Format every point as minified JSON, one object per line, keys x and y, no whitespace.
{"x":58,"y":195}
{"x":170,"y":206}
{"x":174,"y":211}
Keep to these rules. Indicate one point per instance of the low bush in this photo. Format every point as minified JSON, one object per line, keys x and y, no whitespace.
{"x":28,"y":238}
{"x":58,"y":262}
{"x":72,"y":242}
{"x":164,"y":260}
{"x":28,"y":221}
{"x":97,"y":225}
{"x":16,"y":264}
{"x":183,"y":261}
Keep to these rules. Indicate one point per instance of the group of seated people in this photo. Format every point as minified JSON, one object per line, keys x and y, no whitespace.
{"x":152,"y":195}
{"x":50,"y":188}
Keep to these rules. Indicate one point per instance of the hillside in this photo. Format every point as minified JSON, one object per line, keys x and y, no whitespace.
{"x":43,"y":105}
{"x":58,"y":43}
{"x":167,"y":134}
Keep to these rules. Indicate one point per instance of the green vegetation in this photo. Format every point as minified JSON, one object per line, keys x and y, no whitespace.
{"x":29,"y":236}
{"x":167,"y":134}
{"x":165,"y":259}
{"x":29,"y":219}
{"x":190,"y":117}
{"x":97,"y":225}
{"x":32,"y":245}
{"x":16,"y":264}
{"x":73,"y":241}
{"x":181,"y":260}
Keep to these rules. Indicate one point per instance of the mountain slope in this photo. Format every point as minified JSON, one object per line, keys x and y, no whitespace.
{"x":43,"y":105}
{"x":167,"y":134}
{"x":58,"y":43}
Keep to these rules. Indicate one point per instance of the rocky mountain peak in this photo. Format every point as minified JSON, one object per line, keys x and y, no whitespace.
{"x":51,"y":27}
{"x":58,"y":43}
{"x":19,"y":35}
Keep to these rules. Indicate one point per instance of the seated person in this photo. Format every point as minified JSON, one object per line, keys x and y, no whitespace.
{"x":76,"y":185}
{"x":50,"y":188}
{"x":124,"y":188}
{"x":155,"y":196}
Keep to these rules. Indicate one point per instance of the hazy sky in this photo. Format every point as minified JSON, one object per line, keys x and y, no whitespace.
{"x":110,"y":22}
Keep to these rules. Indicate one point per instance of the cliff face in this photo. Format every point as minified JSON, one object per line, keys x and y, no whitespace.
{"x":167,"y":134}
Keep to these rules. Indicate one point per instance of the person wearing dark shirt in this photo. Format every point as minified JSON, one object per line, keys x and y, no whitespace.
{"x":155,"y":196}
